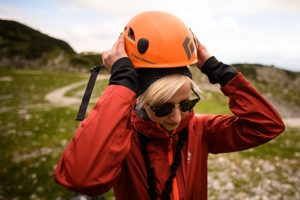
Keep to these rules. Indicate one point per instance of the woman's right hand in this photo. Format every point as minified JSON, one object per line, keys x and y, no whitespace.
{"x":116,"y":52}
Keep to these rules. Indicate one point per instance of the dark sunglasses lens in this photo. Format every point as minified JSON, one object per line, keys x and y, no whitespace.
{"x":163,"y":110}
{"x":188,"y":105}
{"x":166,"y":109}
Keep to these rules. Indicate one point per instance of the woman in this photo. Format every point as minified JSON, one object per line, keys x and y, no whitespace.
{"x":142,"y":138}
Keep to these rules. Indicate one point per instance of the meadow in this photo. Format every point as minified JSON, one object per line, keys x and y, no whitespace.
{"x":33,"y":133}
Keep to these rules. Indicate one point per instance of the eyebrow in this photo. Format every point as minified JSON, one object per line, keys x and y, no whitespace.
{"x":168,"y":102}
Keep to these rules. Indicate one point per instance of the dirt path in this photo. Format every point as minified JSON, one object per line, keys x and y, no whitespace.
{"x":292,"y":122}
{"x":57,"y":97}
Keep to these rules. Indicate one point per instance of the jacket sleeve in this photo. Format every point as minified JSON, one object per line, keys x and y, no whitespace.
{"x":91,"y":163}
{"x":254,"y":120}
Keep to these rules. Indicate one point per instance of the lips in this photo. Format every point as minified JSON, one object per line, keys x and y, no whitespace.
{"x":172,"y":124}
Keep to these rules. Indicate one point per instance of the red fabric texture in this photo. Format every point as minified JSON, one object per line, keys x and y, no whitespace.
{"x":104,"y":151}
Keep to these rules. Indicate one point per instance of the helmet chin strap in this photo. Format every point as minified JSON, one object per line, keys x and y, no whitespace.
{"x":88,"y":92}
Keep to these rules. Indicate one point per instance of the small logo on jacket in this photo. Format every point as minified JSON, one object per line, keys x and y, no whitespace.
{"x":189,"y":157}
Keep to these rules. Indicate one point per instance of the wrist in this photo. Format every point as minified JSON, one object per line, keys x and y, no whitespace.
{"x":123,"y":73}
{"x":202,"y":57}
{"x":203,"y":61}
{"x":218,"y":72}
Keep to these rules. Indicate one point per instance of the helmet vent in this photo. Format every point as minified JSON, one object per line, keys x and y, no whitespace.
{"x":131,"y":34}
{"x":143,"y":45}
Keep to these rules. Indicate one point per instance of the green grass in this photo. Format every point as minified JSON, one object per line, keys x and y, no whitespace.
{"x":286,"y":145}
{"x":33,"y":132}
{"x":98,"y":88}
{"x":213,"y":102}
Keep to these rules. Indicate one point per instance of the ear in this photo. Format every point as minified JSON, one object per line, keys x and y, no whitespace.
{"x":142,"y":113}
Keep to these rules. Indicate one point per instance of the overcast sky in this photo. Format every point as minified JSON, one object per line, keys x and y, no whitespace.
{"x":243,"y":31}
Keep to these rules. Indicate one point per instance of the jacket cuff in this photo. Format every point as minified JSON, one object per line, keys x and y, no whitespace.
{"x":236,"y":83}
{"x":218,"y":72}
{"x":123,"y":73}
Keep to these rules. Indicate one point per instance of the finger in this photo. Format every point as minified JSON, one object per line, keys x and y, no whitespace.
{"x":121,"y":39}
{"x":115,"y":45}
{"x":120,"y":44}
{"x":197,"y":43}
{"x":121,"y":47}
{"x":104,"y":57}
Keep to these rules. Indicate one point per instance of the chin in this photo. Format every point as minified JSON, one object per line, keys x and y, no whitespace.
{"x":170,"y":128}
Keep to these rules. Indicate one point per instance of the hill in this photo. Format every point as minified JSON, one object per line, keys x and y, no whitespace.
{"x":24,"y":47}
{"x":280,"y":87}
{"x":34,"y":131}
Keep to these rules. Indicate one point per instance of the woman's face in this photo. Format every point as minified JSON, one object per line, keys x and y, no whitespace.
{"x":172,"y":121}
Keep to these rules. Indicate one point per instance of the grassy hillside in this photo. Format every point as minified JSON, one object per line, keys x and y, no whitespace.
{"x":24,"y":47}
{"x":274,"y":80}
{"x":279,"y":86}
{"x":18,"y":39}
{"x":33,"y":133}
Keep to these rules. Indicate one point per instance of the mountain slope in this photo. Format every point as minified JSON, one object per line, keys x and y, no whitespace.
{"x":280,"y":87}
{"x":273,"y":81}
{"x":22,"y":46}
{"x":18,"y":39}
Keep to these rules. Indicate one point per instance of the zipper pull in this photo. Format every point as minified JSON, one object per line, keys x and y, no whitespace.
{"x":170,"y":141}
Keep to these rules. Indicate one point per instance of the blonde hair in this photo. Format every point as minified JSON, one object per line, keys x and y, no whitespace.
{"x":163,"y":89}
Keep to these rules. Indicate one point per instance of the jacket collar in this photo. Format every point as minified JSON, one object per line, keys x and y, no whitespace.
{"x":143,"y":124}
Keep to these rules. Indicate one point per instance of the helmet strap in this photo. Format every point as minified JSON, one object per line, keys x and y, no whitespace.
{"x":88,"y":92}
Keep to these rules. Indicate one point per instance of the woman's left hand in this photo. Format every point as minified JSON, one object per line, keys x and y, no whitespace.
{"x":202,"y":54}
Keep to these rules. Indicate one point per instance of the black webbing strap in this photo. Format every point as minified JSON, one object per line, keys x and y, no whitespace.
{"x":88,"y":92}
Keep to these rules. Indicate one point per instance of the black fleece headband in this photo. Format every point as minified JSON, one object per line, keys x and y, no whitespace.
{"x":147,"y":76}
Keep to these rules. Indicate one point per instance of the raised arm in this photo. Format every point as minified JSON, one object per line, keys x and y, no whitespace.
{"x":91,"y":163}
{"x":254,"y":120}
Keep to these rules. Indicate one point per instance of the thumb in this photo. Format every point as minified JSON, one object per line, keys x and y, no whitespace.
{"x":121,"y":46}
{"x":103,"y":56}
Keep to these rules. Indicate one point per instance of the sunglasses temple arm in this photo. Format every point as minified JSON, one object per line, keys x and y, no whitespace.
{"x":196,"y":93}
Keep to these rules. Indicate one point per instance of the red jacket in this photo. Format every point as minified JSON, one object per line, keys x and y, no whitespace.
{"x":105,"y":153}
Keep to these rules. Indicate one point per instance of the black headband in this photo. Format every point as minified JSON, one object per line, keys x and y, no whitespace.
{"x":147,"y":76}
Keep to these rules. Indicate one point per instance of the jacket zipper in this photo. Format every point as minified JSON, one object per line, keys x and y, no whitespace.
{"x":175,"y":191}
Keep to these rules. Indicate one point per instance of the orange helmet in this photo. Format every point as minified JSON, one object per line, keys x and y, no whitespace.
{"x":159,"y":40}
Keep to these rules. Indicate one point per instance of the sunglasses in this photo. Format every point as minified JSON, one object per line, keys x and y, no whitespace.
{"x":166,"y":108}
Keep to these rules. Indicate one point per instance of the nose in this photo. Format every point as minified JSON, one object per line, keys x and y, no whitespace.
{"x":175,"y":115}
